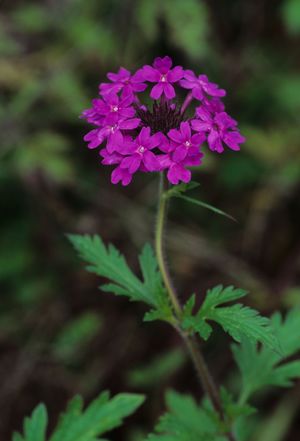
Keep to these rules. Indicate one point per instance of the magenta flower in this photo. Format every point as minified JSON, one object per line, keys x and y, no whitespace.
{"x":162,"y":74}
{"x":122,"y":81}
{"x":121,"y":175}
{"x":158,"y":137}
{"x":176,"y":166}
{"x":110,"y":132}
{"x":220,"y":128}
{"x":112,"y":104}
{"x":200,"y":86}
{"x":140,"y":154}
{"x":185,"y":142}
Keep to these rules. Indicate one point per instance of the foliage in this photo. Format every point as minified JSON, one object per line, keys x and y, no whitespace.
{"x":76,"y":424}
{"x":261,"y":367}
{"x":157,"y":370}
{"x":186,"y":421}
{"x":109,"y":263}
{"x":75,"y":335}
{"x":238,"y":320}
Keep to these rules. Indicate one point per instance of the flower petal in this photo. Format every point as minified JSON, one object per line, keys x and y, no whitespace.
{"x":185,"y":130}
{"x":156,"y":91}
{"x":151,"y":74}
{"x":178,"y":173}
{"x":180,"y":153}
{"x":169,"y":90}
{"x":175,"y":74}
{"x":150,"y":161}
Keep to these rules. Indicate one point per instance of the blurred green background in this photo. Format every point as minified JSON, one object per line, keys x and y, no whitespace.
{"x":58,"y":334}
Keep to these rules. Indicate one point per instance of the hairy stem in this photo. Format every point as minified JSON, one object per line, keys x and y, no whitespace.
{"x":190,"y":341}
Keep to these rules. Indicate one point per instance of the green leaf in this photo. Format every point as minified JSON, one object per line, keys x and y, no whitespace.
{"x":34,"y":426}
{"x":176,"y":190}
{"x":109,"y":263}
{"x":185,"y":421}
{"x":157,"y":370}
{"x":101,"y":416}
{"x":75,"y":335}
{"x":261,"y":367}
{"x":205,"y":205}
{"x":238,"y":321}
{"x":76,"y":424}
{"x":291,"y":16}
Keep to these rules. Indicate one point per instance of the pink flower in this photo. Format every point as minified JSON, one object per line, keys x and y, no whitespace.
{"x":185,"y":142}
{"x":122,"y":81}
{"x":158,"y":137}
{"x":121,"y":175}
{"x":110,"y":132}
{"x":162,"y":74}
{"x":176,"y":167}
{"x":200,"y":85}
{"x":112,"y":104}
{"x":220,"y":128}
{"x":139,"y":152}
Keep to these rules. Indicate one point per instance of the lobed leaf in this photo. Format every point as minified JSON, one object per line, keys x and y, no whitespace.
{"x":76,"y":424}
{"x":34,"y":427}
{"x":238,"y":321}
{"x":109,"y":263}
{"x":186,"y":421}
{"x":261,"y":367}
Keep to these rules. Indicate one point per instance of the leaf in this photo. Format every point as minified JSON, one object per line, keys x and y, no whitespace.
{"x":291,"y":16}
{"x":157,"y":370}
{"x":183,"y":187}
{"x":261,"y":367}
{"x":76,"y":424}
{"x":205,"y":205}
{"x":34,"y":426}
{"x":237,"y":320}
{"x":109,"y":263}
{"x":75,"y":335}
{"x":185,"y":421}
{"x":102,"y":415}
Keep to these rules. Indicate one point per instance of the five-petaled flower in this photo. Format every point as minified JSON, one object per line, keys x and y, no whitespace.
{"x":158,"y":137}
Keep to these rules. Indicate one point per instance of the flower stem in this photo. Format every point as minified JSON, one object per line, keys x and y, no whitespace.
{"x":190,"y":341}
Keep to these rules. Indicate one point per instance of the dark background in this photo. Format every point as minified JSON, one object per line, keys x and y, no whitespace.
{"x":58,"y":334}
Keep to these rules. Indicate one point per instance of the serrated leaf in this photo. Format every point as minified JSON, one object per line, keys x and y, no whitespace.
{"x":109,"y":263}
{"x":261,"y":367}
{"x":237,"y":320}
{"x":185,"y":421}
{"x":76,"y":424}
{"x":34,"y":426}
{"x":101,"y":416}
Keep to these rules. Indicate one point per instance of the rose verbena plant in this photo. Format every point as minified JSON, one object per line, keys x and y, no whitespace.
{"x":166,"y":135}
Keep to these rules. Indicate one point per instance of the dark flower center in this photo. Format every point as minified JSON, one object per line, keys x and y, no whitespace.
{"x":162,"y":118}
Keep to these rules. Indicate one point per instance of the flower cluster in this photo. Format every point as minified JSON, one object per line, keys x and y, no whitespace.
{"x":160,"y":136}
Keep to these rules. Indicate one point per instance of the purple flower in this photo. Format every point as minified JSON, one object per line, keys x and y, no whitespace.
{"x":158,"y":137}
{"x":113,"y":104}
{"x":177,"y":167}
{"x":110,"y":132}
{"x":122,"y":81}
{"x":200,"y":85}
{"x":185,"y":142}
{"x":162,"y":74}
{"x":220,"y":128}
{"x":121,"y":175}
{"x":140,"y":154}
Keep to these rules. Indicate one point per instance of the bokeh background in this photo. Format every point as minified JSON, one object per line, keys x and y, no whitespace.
{"x":59,"y":335}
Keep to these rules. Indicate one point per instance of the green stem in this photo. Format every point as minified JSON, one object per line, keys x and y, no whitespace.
{"x":190,"y":341}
